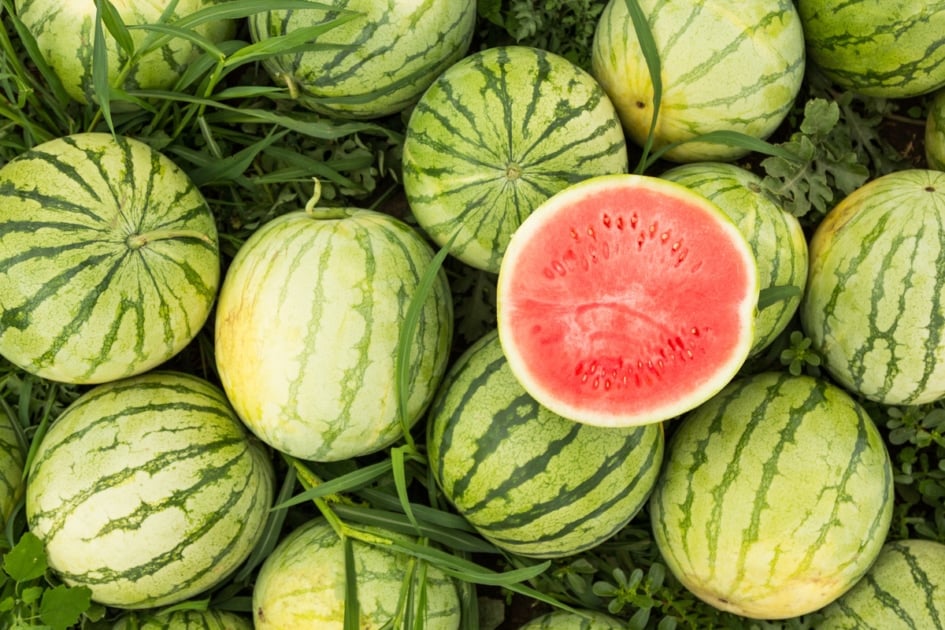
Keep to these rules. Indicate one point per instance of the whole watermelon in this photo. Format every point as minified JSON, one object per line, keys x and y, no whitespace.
{"x":368,"y":59}
{"x":148,"y":490}
{"x":775,"y":498}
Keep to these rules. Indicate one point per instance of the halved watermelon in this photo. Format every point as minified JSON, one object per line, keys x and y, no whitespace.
{"x":625,"y":300}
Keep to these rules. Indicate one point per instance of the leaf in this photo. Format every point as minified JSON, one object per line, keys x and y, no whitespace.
{"x":27,"y":560}
{"x":62,"y":606}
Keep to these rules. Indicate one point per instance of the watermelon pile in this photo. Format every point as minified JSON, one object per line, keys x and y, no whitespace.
{"x":478,"y":316}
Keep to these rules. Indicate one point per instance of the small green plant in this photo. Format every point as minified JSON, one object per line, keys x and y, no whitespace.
{"x":799,"y":357}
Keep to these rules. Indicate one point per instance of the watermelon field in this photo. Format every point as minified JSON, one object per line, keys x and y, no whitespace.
{"x":459,"y":315}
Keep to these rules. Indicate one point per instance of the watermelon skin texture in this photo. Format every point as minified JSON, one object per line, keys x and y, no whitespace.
{"x":875,"y":301}
{"x":307,"y":328}
{"x":148,"y":490}
{"x":775,"y":236}
{"x":903,"y":590}
{"x":65,"y":32}
{"x":494,"y":136}
{"x":12,"y":461}
{"x":578,"y":620}
{"x":532,"y":482}
{"x":775,"y":498}
{"x":934,"y":137}
{"x":880,"y":48}
{"x":726,"y":65}
{"x":301,"y":584}
{"x":183,"y":619}
{"x":109,"y":260}
{"x":374,"y":65}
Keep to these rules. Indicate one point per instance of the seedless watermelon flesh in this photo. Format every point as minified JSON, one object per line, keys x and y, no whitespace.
{"x":625,"y":300}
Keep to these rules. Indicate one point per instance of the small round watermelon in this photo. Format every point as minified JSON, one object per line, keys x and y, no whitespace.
{"x":880,"y":48}
{"x":626,"y":300}
{"x":308,"y":325}
{"x":530,"y":481}
{"x":903,"y":590}
{"x":726,"y":65}
{"x":302,"y":584}
{"x":775,"y":498}
{"x":775,"y":235}
{"x":148,"y":490}
{"x":497,"y":134}
{"x":366,"y":59}
{"x":578,"y":620}
{"x":65,"y":32}
{"x":875,"y":301}
{"x":109,"y":261}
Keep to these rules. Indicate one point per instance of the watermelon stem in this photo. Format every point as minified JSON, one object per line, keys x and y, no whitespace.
{"x":137,"y":241}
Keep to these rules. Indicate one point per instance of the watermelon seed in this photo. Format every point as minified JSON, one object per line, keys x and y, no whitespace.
{"x":930,"y":188}
{"x":606,"y":220}
{"x":619,"y":223}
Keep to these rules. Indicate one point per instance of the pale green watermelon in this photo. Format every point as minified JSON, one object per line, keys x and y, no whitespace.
{"x":497,"y":134}
{"x":727,"y":65}
{"x":579,"y":620}
{"x":183,"y":618}
{"x":775,"y":498}
{"x":148,"y":490}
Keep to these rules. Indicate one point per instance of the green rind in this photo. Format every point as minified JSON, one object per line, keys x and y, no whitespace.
{"x":307,"y":330}
{"x":880,"y":48}
{"x":875,"y":301}
{"x":148,"y":490}
{"x":78,"y":303}
{"x":497,"y":134}
{"x":775,"y":236}
{"x":903,"y":590}
{"x":12,"y":461}
{"x":934,"y":137}
{"x":580,"y":620}
{"x":726,"y":65}
{"x":65,"y":32}
{"x":776,"y":496}
{"x":302,"y":584}
{"x":184,"y":619}
{"x":528,"y":480}
{"x":374,"y":65}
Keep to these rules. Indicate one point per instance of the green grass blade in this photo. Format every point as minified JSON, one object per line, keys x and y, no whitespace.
{"x":732,"y":139}
{"x":348,"y":482}
{"x":652,"y":57}
{"x":775,"y":294}
{"x":109,"y":16}
{"x":352,"y":619}
{"x":100,"y":79}
{"x":233,"y":166}
{"x":298,"y":40}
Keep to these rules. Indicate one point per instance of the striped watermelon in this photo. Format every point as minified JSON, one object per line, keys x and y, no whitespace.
{"x":302,"y":584}
{"x":65,"y":32}
{"x":148,"y":490}
{"x":775,"y":498}
{"x":934,"y":137}
{"x":374,"y":65}
{"x":12,"y":461}
{"x":626,"y":300}
{"x":903,"y":590}
{"x":875,"y":301}
{"x":732,"y":65}
{"x":109,"y":262}
{"x":183,"y":619}
{"x":775,"y":235}
{"x":307,"y":329}
{"x":497,"y":134}
{"x":580,"y":620}
{"x":883,"y":48}
{"x":530,"y":481}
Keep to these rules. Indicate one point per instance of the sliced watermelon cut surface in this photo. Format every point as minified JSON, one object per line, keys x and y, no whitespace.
{"x":626,"y":300}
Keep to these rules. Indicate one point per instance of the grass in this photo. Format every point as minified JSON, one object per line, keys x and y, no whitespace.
{"x":256,"y":154}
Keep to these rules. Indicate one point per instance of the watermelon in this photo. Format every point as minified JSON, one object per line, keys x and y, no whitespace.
{"x":109,"y":261}
{"x":12,"y":461}
{"x":775,"y":498}
{"x":903,"y":590}
{"x":302,"y":584}
{"x":875,"y":301}
{"x":65,"y":35}
{"x":934,"y":137}
{"x":625,"y":300}
{"x":530,"y":481}
{"x":148,"y":490}
{"x":775,"y":235}
{"x":578,"y":620}
{"x":183,"y":619}
{"x":371,"y":59}
{"x":308,"y":323}
{"x":728,"y":65}
{"x":881,"y":48}
{"x":497,"y":134}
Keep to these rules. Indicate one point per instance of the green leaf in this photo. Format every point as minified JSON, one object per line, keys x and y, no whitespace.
{"x":109,"y":16}
{"x":651,"y":54}
{"x":27,"y":560}
{"x":62,"y":606}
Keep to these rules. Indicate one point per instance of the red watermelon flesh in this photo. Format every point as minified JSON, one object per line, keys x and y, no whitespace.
{"x":625,"y":300}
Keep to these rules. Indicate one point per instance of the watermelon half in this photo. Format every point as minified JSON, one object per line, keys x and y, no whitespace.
{"x":626,"y":300}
